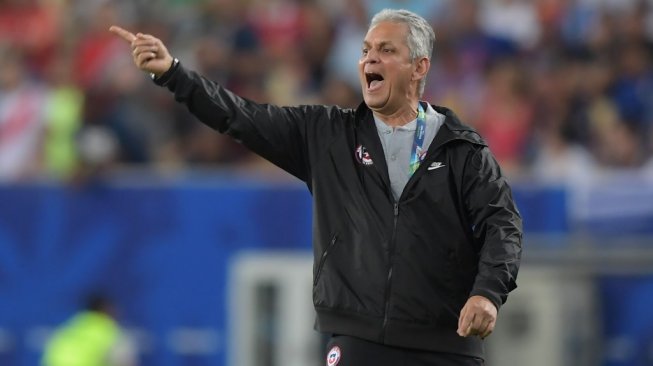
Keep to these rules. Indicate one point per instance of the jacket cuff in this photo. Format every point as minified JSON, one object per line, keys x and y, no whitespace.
{"x":490,"y":295}
{"x":165,"y":78}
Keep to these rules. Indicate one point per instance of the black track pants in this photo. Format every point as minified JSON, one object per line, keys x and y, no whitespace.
{"x":350,"y":351}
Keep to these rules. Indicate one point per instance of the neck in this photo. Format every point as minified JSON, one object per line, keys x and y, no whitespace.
{"x":399,"y":117}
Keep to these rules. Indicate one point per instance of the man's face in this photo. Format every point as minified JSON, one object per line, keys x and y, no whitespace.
{"x":385,"y":69}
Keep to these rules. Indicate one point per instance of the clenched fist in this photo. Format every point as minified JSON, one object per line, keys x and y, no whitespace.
{"x":478,"y":317}
{"x":149,"y":53}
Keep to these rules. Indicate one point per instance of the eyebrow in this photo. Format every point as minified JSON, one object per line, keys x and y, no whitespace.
{"x":381,"y":44}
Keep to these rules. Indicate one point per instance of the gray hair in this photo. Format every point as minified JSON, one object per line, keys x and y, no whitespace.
{"x":420,"y":38}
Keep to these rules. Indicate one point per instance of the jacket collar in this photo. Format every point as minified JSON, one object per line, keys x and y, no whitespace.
{"x":367,"y":135}
{"x":452,"y":129}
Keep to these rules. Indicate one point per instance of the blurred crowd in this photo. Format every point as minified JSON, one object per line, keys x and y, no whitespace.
{"x":559,"y":88}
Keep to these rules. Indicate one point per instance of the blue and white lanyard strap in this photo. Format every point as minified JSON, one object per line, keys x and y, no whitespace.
{"x":418,"y":154}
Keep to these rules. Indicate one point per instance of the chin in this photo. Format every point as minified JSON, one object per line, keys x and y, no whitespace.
{"x":375,"y":102}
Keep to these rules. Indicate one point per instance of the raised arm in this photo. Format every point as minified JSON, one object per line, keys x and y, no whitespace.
{"x":281,"y":135}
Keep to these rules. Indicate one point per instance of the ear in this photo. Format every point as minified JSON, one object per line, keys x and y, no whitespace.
{"x":422,"y":67}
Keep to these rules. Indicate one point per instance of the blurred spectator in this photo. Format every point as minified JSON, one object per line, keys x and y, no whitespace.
{"x":506,"y":113}
{"x":63,"y":119}
{"x":462,"y":53}
{"x":279,"y":25}
{"x":113,"y":100}
{"x":351,"y":27}
{"x":560,"y":160}
{"x":34,"y":27}
{"x":633,"y":89}
{"x":95,"y":49}
{"x":92,"y":337}
{"x":558,"y":153}
{"x":22,"y":110}
{"x":514,"y":20}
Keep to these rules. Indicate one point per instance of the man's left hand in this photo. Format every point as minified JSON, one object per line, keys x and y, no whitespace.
{"x":478,"y":317}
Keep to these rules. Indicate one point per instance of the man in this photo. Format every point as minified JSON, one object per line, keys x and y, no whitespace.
{"x":417,"y":240}
{"x":92,"y":337}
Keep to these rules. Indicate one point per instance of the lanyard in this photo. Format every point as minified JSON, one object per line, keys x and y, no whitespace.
{"x":417,"y":155}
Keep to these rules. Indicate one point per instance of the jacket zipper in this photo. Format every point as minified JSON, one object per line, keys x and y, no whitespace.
{"x":323,"y":259}
{"x":388,"y":285}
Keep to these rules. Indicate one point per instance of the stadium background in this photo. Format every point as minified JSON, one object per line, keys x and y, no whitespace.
{"x":107,"y":185}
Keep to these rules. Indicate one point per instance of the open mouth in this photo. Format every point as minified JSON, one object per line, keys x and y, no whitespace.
{"x":374,"y":80}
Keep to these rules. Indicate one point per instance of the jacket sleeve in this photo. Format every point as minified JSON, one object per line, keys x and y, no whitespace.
{"x":496,"y":226}
{"x":278,"y":134}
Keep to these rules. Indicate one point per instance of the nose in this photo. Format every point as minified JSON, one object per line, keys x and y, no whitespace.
{"x":371,"y":57}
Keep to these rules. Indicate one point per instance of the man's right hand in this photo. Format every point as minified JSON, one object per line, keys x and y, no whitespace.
{"x":148,"y":52}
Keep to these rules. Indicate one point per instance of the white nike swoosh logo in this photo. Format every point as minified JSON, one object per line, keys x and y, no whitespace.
{"x":436,"y":166}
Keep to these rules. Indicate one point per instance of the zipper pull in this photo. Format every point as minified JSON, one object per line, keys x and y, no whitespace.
{"x":396,"y":209}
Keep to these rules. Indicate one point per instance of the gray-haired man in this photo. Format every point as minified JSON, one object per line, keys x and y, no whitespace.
{"x":417,"y":240}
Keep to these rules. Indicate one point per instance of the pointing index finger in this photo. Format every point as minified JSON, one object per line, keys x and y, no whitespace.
{"x":122,"y":33}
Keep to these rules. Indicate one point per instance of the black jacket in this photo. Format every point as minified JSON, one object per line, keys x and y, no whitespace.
{"x":397,"y":273}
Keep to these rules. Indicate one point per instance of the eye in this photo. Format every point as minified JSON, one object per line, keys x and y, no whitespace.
{"x":364,"y":51}
{"x":388,"y":50}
